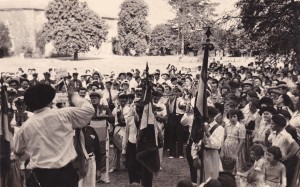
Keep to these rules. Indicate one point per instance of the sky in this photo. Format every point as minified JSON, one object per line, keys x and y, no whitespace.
{"x":159,"y":10}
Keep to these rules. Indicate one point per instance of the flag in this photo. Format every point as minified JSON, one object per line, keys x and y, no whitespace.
{"x":147,"y":144}
{"x":5,"y":134}
{"x":200,"y":109}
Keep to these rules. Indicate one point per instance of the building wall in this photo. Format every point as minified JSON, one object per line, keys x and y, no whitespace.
{"x":23,"y":25}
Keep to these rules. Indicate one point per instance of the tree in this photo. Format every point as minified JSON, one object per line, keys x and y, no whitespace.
{"x":192,"y":15}
{"x":133,"y":27}
{"x":164,"y":38}
{"x":73,"y":27}
{"x":5,"y":43}
{"x":274,"y":24}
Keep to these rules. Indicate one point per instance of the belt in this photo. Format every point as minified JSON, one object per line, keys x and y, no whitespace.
{"x":209,"y":149}
{"x":69,"y":165}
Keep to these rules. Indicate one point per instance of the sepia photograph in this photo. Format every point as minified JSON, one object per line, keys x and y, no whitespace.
{"x":150,"y":93}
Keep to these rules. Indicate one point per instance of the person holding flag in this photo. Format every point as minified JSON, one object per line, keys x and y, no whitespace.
{"x":212,"y":142}
{"x":147,"y":142}
{"x":200,"y":109}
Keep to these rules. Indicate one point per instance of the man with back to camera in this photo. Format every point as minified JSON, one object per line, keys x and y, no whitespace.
{"x":47,"y":137}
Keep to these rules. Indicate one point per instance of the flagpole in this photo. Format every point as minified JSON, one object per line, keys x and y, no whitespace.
{"x":1,"y":141}
{"x":207,"y":47}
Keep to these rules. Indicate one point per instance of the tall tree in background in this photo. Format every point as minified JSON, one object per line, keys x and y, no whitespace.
{"x":133,"y":27}
{"x":192,"y":15}
{"x":73,"y":27}
{"x":5,"y":43}
{"x":276,"y":24}
{"x":164,"y":39}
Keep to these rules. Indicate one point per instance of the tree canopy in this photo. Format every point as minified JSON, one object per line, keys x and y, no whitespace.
{"x":192,"y":16}
{"x":5,"y":43}
{"x":73,"y":27}
{"x":133,"y":27}
{"x":164,"y":38}
{"x":273,"y":24}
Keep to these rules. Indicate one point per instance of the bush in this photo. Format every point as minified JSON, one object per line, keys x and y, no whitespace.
{"x":5,"y":43}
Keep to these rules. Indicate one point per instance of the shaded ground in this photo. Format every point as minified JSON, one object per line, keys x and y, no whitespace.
{"x":173,"y":171}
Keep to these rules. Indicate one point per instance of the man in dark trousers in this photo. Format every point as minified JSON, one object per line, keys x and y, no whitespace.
{"x":47,"y":138}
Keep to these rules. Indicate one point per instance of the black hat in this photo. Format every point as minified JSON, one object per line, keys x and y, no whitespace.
{"x":35,"y":74}
{"x":121,"y":74}
{"x":173,"y":79}
{"x":266,"y":100}
{"x":122,"y":95}
{"x":75,"y":74}
{"x":39,"y":96}
{"x":130,"y":96}
{"x":234,"y":84}
{"x":46,"y":73}
{"x":129,"y":74}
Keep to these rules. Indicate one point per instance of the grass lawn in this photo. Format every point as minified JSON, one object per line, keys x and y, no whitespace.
{"x":173,"y":171}
{"x":108,"y":64}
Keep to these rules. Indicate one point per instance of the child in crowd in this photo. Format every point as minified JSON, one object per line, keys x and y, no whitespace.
{"x":273,"y":170}
{"x":256,"y":155}
{"x":235,"y":134}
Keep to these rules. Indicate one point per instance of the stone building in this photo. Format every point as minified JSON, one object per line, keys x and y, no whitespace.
{"x":23,"y":24}
{"x":25,"y":20}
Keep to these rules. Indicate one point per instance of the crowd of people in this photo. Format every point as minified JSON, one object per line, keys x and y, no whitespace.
{"x":251,"y":136}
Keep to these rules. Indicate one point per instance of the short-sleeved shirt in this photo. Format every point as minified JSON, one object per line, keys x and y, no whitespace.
{"x":282,"y":140}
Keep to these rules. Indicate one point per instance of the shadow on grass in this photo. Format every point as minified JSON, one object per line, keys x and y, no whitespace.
{"x":80,"y":58}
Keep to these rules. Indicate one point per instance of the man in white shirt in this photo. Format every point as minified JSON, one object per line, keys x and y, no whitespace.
{"x":282,"y":139}
{"x":47,"y":138}
{"x":212,"y":142}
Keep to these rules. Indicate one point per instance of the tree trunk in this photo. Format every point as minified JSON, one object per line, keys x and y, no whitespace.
{"x":75,"y":56}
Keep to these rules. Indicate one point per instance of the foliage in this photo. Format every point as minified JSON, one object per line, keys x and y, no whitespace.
{"x":164,"y":38}
{"x":274,"y":24}
{"x":191,"y":17}
{"x":5,"y":43}
{"x":133,"y":27}
{"x":73,"y":27}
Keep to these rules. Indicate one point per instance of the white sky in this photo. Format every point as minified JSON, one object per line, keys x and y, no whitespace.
{"x":159,"y":10}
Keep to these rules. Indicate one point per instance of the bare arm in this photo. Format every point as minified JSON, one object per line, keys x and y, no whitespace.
{"x":283,"y":177}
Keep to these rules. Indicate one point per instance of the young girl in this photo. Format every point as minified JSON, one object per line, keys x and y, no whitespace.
{"x":274,"y":171}
{"x":235,"y":134}
{"x":256,"y":155}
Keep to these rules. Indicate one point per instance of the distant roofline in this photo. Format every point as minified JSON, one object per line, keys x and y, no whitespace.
{"x":43,"y":10}
{"x":19,"y":9}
